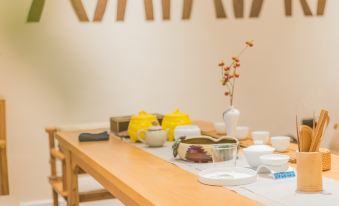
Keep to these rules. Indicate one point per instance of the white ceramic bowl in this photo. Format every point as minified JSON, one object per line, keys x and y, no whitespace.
{"x":242,"y":133}
{"x":186,"y":131}
{"x":274,"y":159}
{"x":253,"y":153}
{"x":220,"y":127}
{"x":260,"y":137}
{"x":281,"y":143}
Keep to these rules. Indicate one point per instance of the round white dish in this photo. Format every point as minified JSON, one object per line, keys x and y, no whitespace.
{"x":231,"y":176}
{"x":253,"y":153}
{"x":262,"y":169}
{"x":280,"y":143}
{"x":242,"y":133}
{"x":274,"y":159}
{"x":186,"y":131}
{"x":261,"y":137}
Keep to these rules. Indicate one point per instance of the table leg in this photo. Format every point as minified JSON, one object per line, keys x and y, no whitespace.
{"x":72,"y":180}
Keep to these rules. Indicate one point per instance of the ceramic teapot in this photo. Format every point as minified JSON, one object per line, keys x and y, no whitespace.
{"x":141,"y":121}
{"x":175,"y":119}
{"x":154,"y":136}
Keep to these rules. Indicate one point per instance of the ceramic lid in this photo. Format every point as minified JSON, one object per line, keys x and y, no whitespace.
{"x":155,"y":127}
{"x":259,"y":148}
{"x":143,"y":116}
{"x":177,"y":114}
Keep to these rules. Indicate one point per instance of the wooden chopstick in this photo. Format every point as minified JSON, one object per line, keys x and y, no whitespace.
{"x":314,"y":137}
{"x":326,"y":122}
{"x":319,"y":131}
{"x":313,"y":127}
{"x":297,"y":127}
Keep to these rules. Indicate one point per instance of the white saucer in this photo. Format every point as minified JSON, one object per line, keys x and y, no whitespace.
{"x":262,"y":169}
{"x":231,"y":176}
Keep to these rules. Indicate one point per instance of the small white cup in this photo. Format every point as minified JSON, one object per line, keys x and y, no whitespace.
{"x":281,"y":143}
{"x":220,"y":127}
{"x":260,"y":137}
{"x":242,"y":133}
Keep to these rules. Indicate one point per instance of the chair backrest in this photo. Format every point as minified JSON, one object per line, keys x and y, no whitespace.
{"x":57,"y":154}
{"x":4,"y":184}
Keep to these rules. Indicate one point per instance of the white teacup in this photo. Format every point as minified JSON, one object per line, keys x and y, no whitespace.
{"x":242,"y":133}
{"x":220,"y":127}
{"x":153,"y":138}
{"x":261,"y":137}
{"x":281,"y":143}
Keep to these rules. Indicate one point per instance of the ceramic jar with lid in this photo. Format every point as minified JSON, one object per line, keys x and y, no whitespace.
{"x":175,"y":119}
{"x":143,"y":120}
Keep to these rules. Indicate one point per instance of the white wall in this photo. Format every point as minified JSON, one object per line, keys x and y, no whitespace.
{"x":60,"y":71}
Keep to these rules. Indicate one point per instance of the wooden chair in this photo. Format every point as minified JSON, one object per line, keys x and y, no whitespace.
{"x":59,"y":181}
{"x":4,"y":184}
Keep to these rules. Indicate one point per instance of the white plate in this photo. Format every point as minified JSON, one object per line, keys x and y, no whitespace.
{"x":274,"y":159}
{"x":222,"y":176}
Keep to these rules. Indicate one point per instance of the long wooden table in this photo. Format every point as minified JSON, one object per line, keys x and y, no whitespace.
{"x":136,"y":177}
{"x":139,"y":178}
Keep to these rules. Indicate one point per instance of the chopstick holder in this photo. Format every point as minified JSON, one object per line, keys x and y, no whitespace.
{"x":309,"y":172}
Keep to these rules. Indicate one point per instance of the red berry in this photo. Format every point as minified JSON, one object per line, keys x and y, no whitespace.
{"x":227,"y":93}
{"x":237,"y":75}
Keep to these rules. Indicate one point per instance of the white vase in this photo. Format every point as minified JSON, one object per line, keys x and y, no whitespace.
{"x":231,"y":117}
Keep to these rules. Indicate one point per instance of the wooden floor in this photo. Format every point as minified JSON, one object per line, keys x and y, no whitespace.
{"x":11,"y":201}
{"x":100,"y":203}
{"x":8,"y":201}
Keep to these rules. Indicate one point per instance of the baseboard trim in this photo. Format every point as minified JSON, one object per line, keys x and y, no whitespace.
{"x":47,"y":202}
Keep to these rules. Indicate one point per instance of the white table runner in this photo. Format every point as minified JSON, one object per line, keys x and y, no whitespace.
{"x":266,"y":190}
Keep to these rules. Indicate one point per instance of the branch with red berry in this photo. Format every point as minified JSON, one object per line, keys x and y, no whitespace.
{"x":229,"y":73}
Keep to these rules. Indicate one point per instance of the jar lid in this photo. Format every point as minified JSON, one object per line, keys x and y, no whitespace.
{"x":177,"y":114}
{"x":143,"y":116}
{"x":155,"y":126}
{"x":259,"y":148}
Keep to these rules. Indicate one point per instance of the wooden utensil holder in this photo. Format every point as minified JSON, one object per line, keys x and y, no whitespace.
{"x":309,"y":171}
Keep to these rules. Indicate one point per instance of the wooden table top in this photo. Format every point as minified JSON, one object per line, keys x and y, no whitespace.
{"x":139,"y":178}
{"x":130,"y":173}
